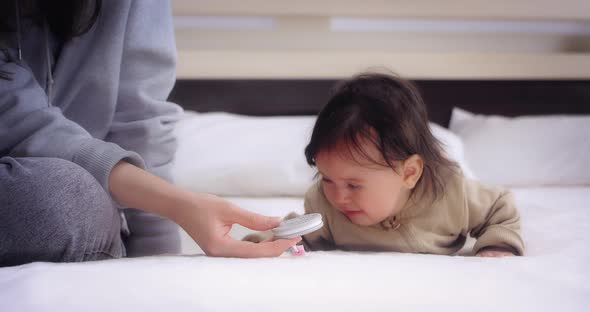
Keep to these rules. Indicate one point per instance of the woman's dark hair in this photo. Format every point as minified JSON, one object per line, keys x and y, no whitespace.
{"x":66,"y":18}
{"x":387,"y":111}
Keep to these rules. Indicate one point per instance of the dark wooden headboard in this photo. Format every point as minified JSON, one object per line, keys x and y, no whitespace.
{"x":306,"y":97}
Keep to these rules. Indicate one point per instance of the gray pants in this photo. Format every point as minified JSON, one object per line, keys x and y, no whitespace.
{"x":54,"y":210}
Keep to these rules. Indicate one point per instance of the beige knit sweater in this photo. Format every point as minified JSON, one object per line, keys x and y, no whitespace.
{"x":466,"y":208}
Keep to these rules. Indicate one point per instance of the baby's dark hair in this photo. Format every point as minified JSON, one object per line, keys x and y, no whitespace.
{"x":389,"y":112}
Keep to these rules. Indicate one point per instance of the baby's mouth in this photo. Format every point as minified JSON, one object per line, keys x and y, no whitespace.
{"x":351,"y":213}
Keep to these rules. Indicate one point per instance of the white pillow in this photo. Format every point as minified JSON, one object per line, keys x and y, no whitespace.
{"x":236,"y":155}
{"x":453,"y":147}
{"x":525,"y":151}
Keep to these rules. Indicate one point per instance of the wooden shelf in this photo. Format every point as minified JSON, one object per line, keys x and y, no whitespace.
{"x":224,"y":64}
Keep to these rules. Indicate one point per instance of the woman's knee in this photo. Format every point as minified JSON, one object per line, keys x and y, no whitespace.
{"x":55,"y":211}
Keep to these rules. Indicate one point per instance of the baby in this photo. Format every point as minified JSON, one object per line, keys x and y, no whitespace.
{"x":385,"y":183}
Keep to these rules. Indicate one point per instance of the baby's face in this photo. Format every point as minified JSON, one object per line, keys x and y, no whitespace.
{"x":364,"y":192}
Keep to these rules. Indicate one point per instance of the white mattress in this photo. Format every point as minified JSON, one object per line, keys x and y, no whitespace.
{"x":554,"y":276}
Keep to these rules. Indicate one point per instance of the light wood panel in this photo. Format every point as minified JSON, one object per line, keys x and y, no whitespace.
{"x":502,"y":9}
{"x":229,"y":64}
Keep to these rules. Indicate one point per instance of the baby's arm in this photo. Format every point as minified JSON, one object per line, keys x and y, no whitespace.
{"x":318,"y":240}
{"x":493,"y":220}
{"x":322,"y":238}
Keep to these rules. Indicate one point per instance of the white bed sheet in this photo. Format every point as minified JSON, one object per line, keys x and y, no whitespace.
{"x":554,"y":276}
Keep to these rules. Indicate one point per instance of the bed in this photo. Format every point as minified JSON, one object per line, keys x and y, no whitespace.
{"x":552,"y":192}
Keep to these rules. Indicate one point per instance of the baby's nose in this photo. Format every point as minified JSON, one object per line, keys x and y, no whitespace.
{"x":342,"y":197}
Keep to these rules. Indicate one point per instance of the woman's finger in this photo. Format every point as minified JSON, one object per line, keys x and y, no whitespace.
{"x":253,"y":220}
{"x":275,"y":248}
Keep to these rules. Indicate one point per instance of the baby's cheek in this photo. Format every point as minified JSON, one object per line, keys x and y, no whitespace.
{"x":381,"y":208}
{"x":329,"y":193}
{"x":371,"y":206}
{"x":330,"y":199}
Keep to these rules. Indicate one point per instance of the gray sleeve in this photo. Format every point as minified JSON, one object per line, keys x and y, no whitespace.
{"x":144,"y":121}
{"x":29,"y":127}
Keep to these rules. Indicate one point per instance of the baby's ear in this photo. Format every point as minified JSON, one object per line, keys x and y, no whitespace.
{"x":412,"y":169}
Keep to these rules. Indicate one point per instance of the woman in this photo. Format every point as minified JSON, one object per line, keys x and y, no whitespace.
{"x":85,"y":130}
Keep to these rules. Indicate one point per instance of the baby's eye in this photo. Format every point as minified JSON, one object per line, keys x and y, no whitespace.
{"x":326,"y":180}
{"x":353,"y":186}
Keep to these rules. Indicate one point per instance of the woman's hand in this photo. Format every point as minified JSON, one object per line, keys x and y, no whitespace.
{"x":208,"y":220}
{"x":494,"y":252}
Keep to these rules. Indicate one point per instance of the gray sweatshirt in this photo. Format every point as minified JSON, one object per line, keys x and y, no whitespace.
{"x":107,"y":101}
